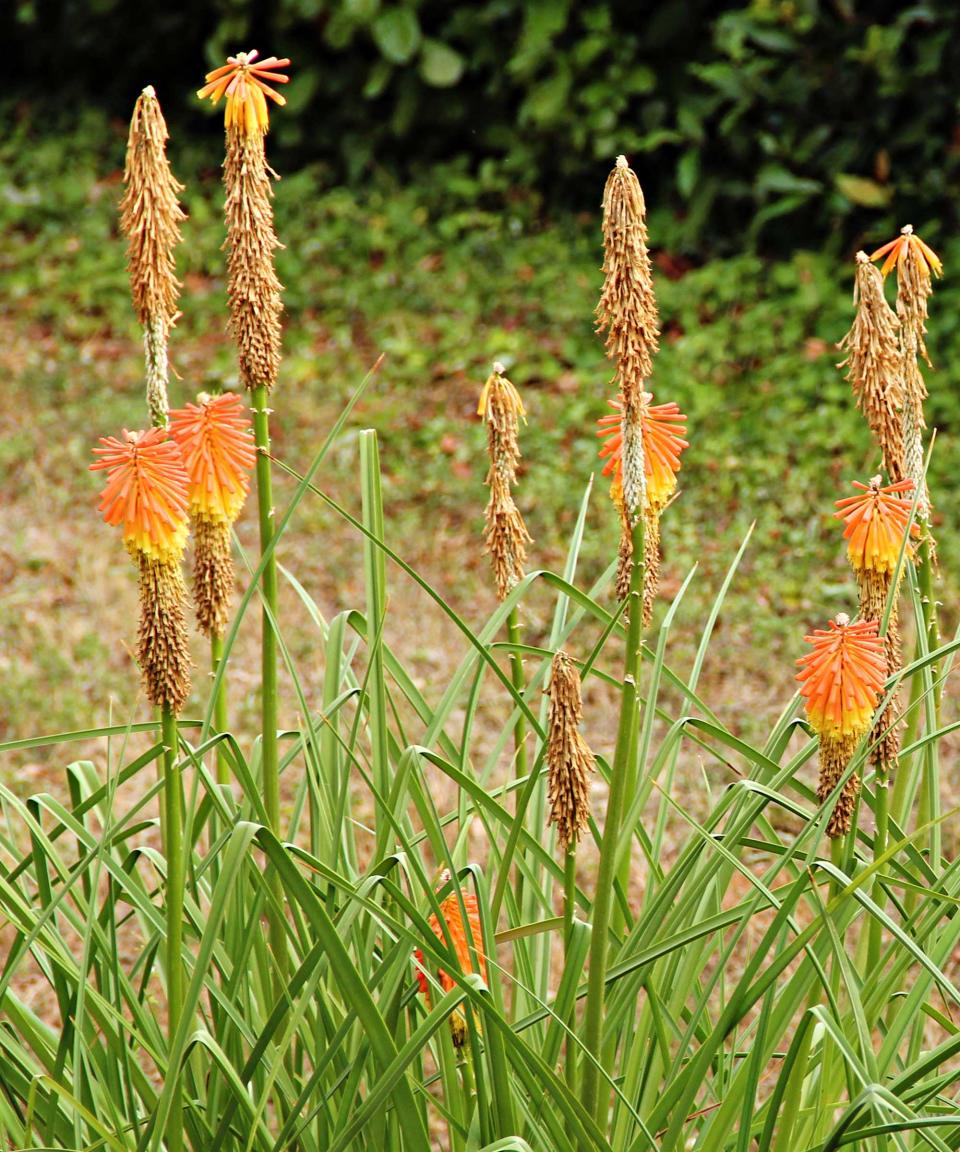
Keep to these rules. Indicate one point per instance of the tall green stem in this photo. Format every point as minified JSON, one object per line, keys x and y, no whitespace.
{"x":569,"y":908}
{"x":930,"y":787}
{"x":270,"y":762}
{"x":520,"y":728}
{"x":882,"y":787}
{"x":176,"y":876}
{"x":594,"y":1100}
{"x":219,"y":706}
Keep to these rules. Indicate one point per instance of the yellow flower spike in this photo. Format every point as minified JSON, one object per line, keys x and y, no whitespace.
{"x":875,"y":525}
{"x":216,"y":440}
{"x":663,"y":427}
{"x":146,"y":492}
{"x":842,"y":678}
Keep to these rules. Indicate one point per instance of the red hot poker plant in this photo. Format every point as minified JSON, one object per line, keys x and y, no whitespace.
{"x":842,"y":679}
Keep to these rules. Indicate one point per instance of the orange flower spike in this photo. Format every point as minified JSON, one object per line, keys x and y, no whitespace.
{"x":842,"y":678}
{"x":461,"y":945}
{"x":663,"y":427}
{"x":216,"y":441}
{"x":876,"y":524}
{"x":896,"y":253}
{"x":243,"y":82}
{"x":146,"y":492}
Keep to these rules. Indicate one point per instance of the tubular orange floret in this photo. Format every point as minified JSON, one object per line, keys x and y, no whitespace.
{"x":896,"y":253}
{"x":216,"y":441}
{"x":663,"y":427}
{"x":146,"y":492}
{"x":243,"y":82}
{"x":842,"y":678}
{"x":875,"y":524}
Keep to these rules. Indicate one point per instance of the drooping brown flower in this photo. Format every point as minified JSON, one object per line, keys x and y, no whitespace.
{"x":873,"y":364}
{"x":569,"y":759}
{"x":150,"y":217}
{"x":841,"y":682}
{"x":146,"y":494}
{"x":506,"y":534}
{"x":216,"y":441}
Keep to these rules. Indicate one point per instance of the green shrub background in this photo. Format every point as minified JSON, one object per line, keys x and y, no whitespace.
{"x":747,"y":123}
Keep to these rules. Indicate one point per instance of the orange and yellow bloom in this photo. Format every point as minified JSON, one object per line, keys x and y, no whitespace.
{"x":243,"y":82}
{"x":146,"y":492}
{"x":875,"y":524}
{"x":842,"y":678}
{"x":216,"y":441}
{"x":452,"y":917}
{"x":896,"y":253}
{"x":663,"y":427}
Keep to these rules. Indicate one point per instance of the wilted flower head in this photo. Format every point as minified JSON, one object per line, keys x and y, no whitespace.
{"x":897,"y":250}
{"x":505,"y":534}
{"x":663,"y":427}
{"x":216,"y":441}
{"x":146,"y":492}
{"x":569,"y":759}
{"x":842,"y":678}
{"x":876,"y":524}
{"x":243,"y":82}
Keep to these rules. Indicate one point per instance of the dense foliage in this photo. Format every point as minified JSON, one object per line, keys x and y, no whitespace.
{"x":745,"y":121}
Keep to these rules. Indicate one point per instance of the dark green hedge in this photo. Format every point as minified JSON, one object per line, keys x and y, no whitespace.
{"x":746,"y":122}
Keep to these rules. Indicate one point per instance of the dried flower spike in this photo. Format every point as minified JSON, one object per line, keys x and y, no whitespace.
{"x":216,"y":441}
{"x":146,"y":495}
{"x":506,"y":534}
{"x":243,"y":82}
{"x":842,"y":679}
{"x":150,"y":216}
{"x":453,"y":919}
{"x":569,"y":759}
{"x":873,"y":364}
{"x":253,"y":289}
{"x":627,"y":309}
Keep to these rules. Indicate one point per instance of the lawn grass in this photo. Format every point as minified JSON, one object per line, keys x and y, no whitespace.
{"x":441,"y":278}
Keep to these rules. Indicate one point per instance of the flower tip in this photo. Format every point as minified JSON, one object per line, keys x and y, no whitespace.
{"x":622,"y":162}
{"x":149,"y":91}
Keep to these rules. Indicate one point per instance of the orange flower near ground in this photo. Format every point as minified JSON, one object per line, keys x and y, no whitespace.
{"x":843,"y":677}
{"x":454,"y":921}
{"x":146,"y":492}
{"x":875,"y":525}
{"x":896,"y":253}
{"x":243,"y":83}
{"x":216,"y":441}
{"x":663,"y":427}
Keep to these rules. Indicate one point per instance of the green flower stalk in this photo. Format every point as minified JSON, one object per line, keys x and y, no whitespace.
{"x":253,"y":290}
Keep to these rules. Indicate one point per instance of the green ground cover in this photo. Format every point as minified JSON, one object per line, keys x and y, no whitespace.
{"x":442,"y":278}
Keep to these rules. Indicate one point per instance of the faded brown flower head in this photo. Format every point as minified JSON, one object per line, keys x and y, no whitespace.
{"x":569,"y":760}
{"x":505,"y":534}
{"x":150,"y":217}
{"x":627,"y":309}
{"x":163,"y":649}
{"x":873,"y":364}
{"x":253,"y":288}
